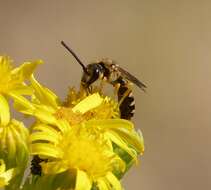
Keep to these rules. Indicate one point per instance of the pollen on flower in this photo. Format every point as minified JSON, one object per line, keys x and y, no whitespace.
{"x":73,"y":97}
{"x":107,"y":110}
{"x":87,"y":150}
{"x":70,"y":116}
{"x":87,"y":153}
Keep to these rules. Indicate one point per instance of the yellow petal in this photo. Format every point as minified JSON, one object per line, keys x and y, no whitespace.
{"x":111,"y":123}
{"x":41,"y":112}
{"x":63,"y":125}
{"x":44,"y":95}
{"x":114,"y":182}
{"x":141,"y":139}
{"x":102,"y":185}
{"x":45,"y":149}
{"x":88,"y":103}
{"x":2,"y":166}
{"x":132,"y":137}
{"x":20,"y":130}
{"x":23,"y":90}
{"x":11,"y":145}
{"x":39,"y":136}
{"x":3,"y":140}
{"x":26,"y":69}
{"x":6,"y":177}
{"x":4,"y":111}
{"x":47,"y":129}
{"x":21,"y":100}
{"x":82,"y":181}
{"x":117,"y":140}
{"x":53,"y":167}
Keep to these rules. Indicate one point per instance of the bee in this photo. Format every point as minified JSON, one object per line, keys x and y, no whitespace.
{"x":107,"y":70}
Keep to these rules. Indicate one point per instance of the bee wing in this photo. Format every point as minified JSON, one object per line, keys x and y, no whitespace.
{"x":131,"y":78}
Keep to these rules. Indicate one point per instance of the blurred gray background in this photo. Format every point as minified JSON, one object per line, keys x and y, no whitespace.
{"x":165,"y":43}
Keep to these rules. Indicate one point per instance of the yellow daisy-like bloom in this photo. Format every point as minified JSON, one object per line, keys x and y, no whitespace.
{"x":83,"y":137}
{"x":80,"y":150}
{"x":12,"y":84}
{"x":99,"y":110}
{"x":13,"y":134}
{"x":12,"y":79}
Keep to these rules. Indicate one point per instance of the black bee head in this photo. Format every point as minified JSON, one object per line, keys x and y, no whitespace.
{"x":93,"y":72}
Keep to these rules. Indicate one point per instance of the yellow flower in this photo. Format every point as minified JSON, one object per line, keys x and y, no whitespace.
{"x":12,"y":79}
{"x":84,"y":137}
{"x":97,"y":110}
{"x":107,"y":109}
{"x":12,"y":84}
{"x":81,"y":150}
{"x":13,"y":134}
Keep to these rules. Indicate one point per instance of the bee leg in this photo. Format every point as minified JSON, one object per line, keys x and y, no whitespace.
{"x":116,"y":89}
{"x":126,"y":93}
{"x":89,"y":90}
{"x":117,"y":86}
{"x":101,"y":86}
{"x":124,"y":96}
{"x":85,"y":91}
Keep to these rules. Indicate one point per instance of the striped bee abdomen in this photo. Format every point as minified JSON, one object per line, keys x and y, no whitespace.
{"x":126,"y":99}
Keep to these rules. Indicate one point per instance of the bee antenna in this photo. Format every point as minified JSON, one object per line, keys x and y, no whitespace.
{"x":75,"y":56}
